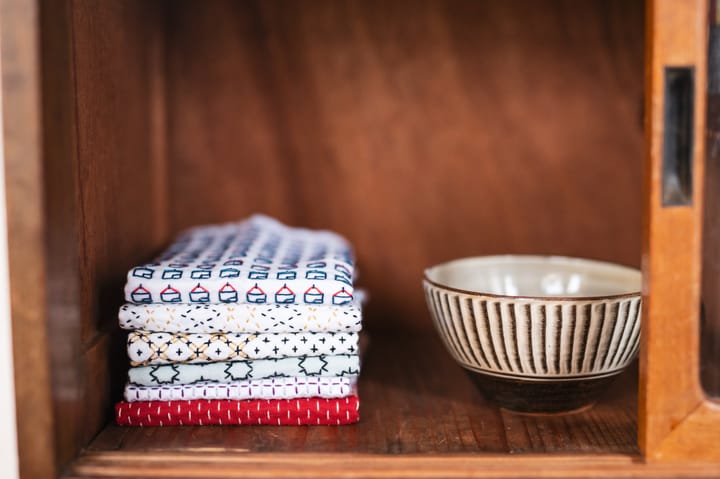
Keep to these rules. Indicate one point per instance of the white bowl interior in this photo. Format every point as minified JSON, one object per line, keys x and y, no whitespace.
{"x":538,"y":276}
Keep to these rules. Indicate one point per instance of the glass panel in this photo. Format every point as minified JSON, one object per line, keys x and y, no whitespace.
{"x":677,"y":143}
{"x":710,"y":308}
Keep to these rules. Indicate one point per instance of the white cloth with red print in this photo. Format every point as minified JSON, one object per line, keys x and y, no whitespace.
{"x":257,"y":261}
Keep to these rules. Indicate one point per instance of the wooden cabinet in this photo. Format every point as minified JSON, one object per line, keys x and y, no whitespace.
{"x":423,"y":131}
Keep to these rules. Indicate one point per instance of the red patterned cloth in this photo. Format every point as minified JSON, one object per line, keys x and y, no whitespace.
{"x":275,"y":412}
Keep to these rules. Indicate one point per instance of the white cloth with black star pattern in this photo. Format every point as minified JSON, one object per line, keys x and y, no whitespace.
{"x":346,"y":365}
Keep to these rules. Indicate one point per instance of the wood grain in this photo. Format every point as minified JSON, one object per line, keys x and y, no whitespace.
{"x":217,"y":464}
{"x":80,"y":213}
{"x":23,"y":160}
{"x":122,"y":223}
{"x":414,"y":400}
{"x":63,"y":223}
{"x":422,"y":130}
{"x":103,"y":146}
{"x":676,"y":421}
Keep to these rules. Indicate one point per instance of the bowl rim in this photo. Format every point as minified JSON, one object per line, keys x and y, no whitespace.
{"x":632,"y":294}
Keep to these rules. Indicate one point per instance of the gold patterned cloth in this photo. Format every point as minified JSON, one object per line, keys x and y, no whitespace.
{"x":147,"y":348}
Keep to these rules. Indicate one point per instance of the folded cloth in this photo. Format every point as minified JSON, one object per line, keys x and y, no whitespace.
{"x":258,"y":260}
{"x":241,"y":318}
{"x":146,"y":347}
{"x":274,"y":388}
{"x":278,"y":412}
{"x":346,"y":365}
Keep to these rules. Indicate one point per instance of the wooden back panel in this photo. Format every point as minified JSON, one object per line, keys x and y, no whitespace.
{"x":423,"y":130}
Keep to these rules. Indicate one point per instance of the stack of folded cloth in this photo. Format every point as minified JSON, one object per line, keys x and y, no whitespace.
{"x":243,"y":323}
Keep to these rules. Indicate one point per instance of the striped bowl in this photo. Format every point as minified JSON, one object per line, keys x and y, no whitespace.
{"x":539,"y":333}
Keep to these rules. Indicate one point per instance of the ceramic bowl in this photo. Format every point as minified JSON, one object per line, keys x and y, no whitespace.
{"x":538,"y":333}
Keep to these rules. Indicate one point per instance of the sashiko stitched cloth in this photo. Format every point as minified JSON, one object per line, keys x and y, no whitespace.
{"x":252,"y":322}
{"x":278,"y":412}
{"x":278,"y":388}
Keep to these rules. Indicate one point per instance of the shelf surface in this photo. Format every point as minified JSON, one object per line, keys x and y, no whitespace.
{"x":421,"y":416}
{"x":414,"y":399}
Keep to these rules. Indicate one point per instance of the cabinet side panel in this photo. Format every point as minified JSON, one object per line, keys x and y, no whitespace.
{"x":120,"y":202}
{"x":21,"y":105}
{"x":62,"y":249}
{"x":423,"y":130}
{"x":104,"y":187}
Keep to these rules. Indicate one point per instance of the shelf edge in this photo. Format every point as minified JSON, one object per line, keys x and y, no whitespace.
{"x":233,"y":463}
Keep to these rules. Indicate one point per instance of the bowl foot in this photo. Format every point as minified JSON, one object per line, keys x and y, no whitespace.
{"x":541,"y":396}
{"x":584,"y":408}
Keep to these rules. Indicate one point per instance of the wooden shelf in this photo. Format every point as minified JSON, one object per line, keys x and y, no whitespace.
{"x":414,"y":400}
{"x":421,"y":416}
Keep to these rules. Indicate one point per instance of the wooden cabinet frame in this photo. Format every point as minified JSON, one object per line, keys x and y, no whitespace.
{"x":676,"y":421}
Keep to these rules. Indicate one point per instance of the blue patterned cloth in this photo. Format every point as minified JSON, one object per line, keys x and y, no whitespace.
{"x":258,"y":261}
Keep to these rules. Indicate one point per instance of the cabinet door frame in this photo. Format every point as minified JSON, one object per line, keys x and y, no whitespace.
{"x":676,"y":421}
